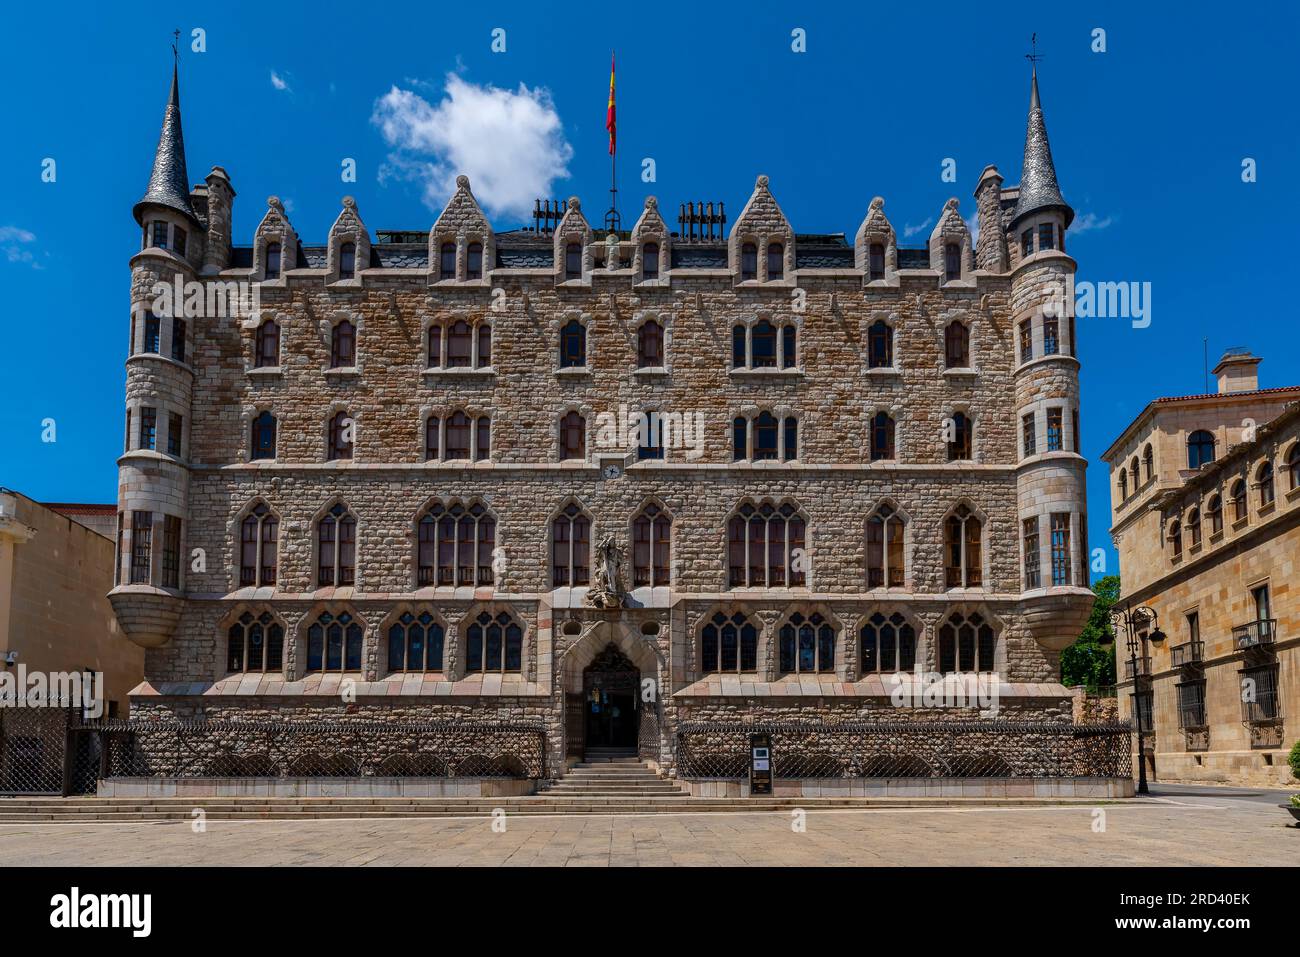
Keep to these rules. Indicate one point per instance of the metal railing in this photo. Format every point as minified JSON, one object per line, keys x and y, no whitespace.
{"x":1255,"y":634}
{"x":1263,"y":707}
{"x":1188,"y":653}
{"x":933,"y":749}
{"x":1143,"y":669}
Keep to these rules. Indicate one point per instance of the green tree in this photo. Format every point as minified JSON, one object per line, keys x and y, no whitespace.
{"x":1087,"y":662}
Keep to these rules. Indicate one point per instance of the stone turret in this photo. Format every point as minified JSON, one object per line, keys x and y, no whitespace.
{"x":991,"y":245}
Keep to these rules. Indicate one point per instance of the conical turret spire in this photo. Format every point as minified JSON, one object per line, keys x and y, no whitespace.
{"x":169,"y":183}
{"x":1038,"y":187}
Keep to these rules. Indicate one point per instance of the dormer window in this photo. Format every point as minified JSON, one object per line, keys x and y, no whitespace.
{"x":650,"y":261}
{"x":748,"y":262}
{"x":573,"y":261}
{"x":347,"y":260}
{"x":1046,"y":236}
{"x":775,"y":261}
{"x":272,"y":260}
{"x":876,"y":257}
{"x":951,"y":262}
{"x":447,"y":261}
{"x":474,"y":261}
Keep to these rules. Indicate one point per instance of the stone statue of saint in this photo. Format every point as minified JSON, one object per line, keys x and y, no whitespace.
{"x":607,"y":583}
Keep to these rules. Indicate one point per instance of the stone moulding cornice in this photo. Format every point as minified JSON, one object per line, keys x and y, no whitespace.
{"x":656,"y":467}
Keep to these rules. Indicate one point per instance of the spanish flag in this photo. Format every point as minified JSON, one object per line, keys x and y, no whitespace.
{"x":610,"y":123}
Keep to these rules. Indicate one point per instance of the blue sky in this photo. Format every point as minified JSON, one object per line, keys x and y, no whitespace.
{"x":1148,"y":137}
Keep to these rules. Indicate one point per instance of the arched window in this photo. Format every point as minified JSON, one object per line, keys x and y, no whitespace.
{"x":956,"y":345}
{"x":951,"y":262}
{"x":651,"y":534}
{"x":455,"y":545}
{"x":959,"y":447}
{"x":258,"y":538}
{"x":876,"y":260}
{"x":459,"y":340}
{"x":474,"y":261}
{"x":432,"y":428}
{"x":1194,"y":528}
{"x":790,"y":446}
{"x":484,"y":345}
{"x":255,"y":643}
{"x":334,"y":643}
{"x":1176,"y":539}
{"x":343,"y":345}
{"x":775,"y":261}
{"x":272,"y":260}
{"x":728,"y":644}
{"x":651,"y":427}
{"x":962,"y":541}
{"x":494,"y":644}
{"x":650,"y":261}
{"x":482,"y":438}
{"x":966,"y":643}
{"x":765,"y":436}
{"x":341,"y":431}
{"x":739,"y":340}
{"x":262,"y":445}
{"x":447,"y":260}
{"x":1123,"y":484}
{"x":762,"y":347}
{"x":336,"y":548}
{"x":1293,"y":465}
{"x":1264,"y":479}
{"x":1238,"y":494}
{"x":765,"y":546}
{"x":650,"y":345}
{"x":573,"y":345}
{"x":347,"y":260}
{"x":807,"y":645}
{"x":885,"y":548}
{"x":458,"y":436}
{"x":1200,"y":449}
{"x":573,"y":261}
{"x":415,"y":643}
{"x":570,"y":548}
{"x":888,"y":644}
{"x":1148,"y":463}
{"x":1214,"y":511}
{"x":748,"y":262}
{"x":435,"y":345}
{"x":789,"y":347}
{"x":267,"y":352}
{"x":1134,"y":474}
{"x":573,"y":436}
{"x":882,"y":436}
{"x":880,"y":345}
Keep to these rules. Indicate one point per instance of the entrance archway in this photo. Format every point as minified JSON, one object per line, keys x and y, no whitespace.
{"x":609,"y":698}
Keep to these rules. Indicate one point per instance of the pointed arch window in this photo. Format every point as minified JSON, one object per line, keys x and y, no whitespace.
{"x":807,"y":645}
{"x":888,"y":644}
{"x":765,"y":546}
{"x":959,"y":447}
{"x":341,"y":431}
{"x":748,"y":262}
{"x":728,"y":644}
{"x":455,"y":545}
{"x":347,"y":261}
{"x":967,"y":643}
{"x":415,"y":643}
{"x":255,"y":643}
{"x":956,"y":345}
{"x":882,"y":437}
{"x":343,"y":345}
{"x":650,"y":345}
{"x":650,"y":261}
{"x":963,"y":549}
{"x":334,"y":643}
{"x":573,"y":436}
{"x":262,"y":445}
{"x":570,"y":548}
{"x":494,"y":644}
{"x":775,"y":261}
{"x":651,"y":535}
{"x":447,"y":260}
{"x":272,"y":260}
{"x":885,"y":533}
{"x":267,"y":351}
{"x":573,"y":345}
{"x":336,"y":548}
{"x":474,"y":261}
{"x":259,"y":535}
{"x":880,"y":345}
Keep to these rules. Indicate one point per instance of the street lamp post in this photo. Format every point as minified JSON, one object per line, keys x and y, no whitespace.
{"x":1132,"y":620}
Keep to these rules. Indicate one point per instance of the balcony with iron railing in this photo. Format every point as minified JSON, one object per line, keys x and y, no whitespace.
{"x":1263,"y":707}
{"x":1141,"y":670}
{"x":1261,"y":633}
{"x":1188,"y":653}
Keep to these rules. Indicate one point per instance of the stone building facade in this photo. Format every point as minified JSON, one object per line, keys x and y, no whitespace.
{"x":405,"y":489}
{"x":1205,"y":491}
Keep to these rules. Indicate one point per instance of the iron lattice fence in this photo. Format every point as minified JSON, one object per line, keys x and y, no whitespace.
{"x":910,"y":750}
{"x":183,"y":749}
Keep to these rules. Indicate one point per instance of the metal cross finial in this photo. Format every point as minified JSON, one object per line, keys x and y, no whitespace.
{"x":176,"y":39}
{"x":1034,"y":56}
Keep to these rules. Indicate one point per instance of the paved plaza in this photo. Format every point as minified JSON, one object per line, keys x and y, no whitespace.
{"x":1193,"y":826}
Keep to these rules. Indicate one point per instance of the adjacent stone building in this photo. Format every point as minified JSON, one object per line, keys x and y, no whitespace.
{"x":1205,"y":491}
{"x":614,"y":484}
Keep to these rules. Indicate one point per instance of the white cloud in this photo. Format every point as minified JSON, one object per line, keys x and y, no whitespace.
{"x":910,"y":230}
{"x":280,"y":82}
{"x":509,"y":143}
{"x":1089,"y":221}
{"x":13,"y":241}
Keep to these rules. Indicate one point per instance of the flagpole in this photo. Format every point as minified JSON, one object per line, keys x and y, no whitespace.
{"x":612,"y":219}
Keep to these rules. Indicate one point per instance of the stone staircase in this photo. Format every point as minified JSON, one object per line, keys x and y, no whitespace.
{"x":608,"y":773}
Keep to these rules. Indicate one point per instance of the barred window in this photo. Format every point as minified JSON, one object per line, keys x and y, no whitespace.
{"x":455,"y":545}
{"x":570,"y":548}
{"x":963,"y":434}
{"x":888,"y":644}
{"x":334,"y":643}
{"x":880,"y":345}
{"x":650,"y":345}
{"x":171,"y":559}
{"x":1259,"y":698}
{"x":494,"y":644}
{"x":882,"y":437}
{"x":415,"y":643}
{"x":1061,"y":548}
{"x":255,"y":643}
{"x":343,"y":345}
{"x":966,"y":643}
{"x":259,"y":535}
{"x":267,"y":352}
{"x":807,"y":645}
{"x":956,"y":343}
{"x":728,"y":644}
{"x":262,"y":445}
{"x":1029,"y":527}
{"x":141,"y":546}
{"x":1191,"y":705}
{"x":336,"y":540}
{"x":885,"y":548}
{"x":765,"y":546}
{"x":963,"y":549}
{"x":651,"y":533}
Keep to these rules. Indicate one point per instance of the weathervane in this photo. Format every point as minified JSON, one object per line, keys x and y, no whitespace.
{"x":1034,"y":56}
{"x":176,"y":39}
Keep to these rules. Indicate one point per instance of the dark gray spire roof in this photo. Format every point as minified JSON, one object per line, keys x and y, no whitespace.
{"x":1038,"y":188}
{"x":169,"y":183}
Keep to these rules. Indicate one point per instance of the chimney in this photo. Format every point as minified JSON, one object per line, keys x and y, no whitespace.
{"x":1238,"y":371}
